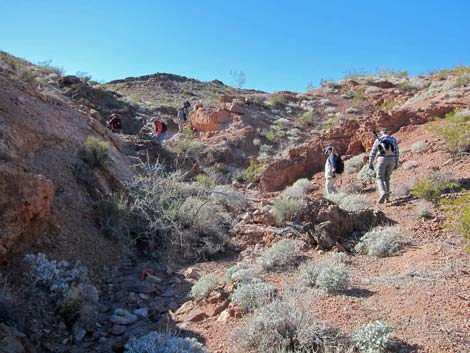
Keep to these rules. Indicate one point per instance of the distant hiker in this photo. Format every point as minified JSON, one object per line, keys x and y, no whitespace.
{"x":181,"y":119}
{"x":332,"y":167}
{"x":160,"y":131}
{"x":186,"y":106}
{"x":197,"y":106}
{"x":114,"y":123}
{"x":387,"y":148}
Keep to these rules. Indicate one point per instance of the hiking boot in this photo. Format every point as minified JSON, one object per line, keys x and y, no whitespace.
{"x":387,"y":198}
{"x":382,"y":198}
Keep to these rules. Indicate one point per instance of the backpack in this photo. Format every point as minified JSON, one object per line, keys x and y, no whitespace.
{"x":386,"y":147}
{"x":339,"y":168}
{"x":163,"y":127}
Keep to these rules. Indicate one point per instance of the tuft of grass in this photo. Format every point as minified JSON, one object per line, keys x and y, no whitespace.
{"x":286,"y":209}
{"x":433,"y":186}
{"x":458,"y":215}
{"x":205,"y":180}
{"x":423,"y":211}
{"x":354,"y":164}
{"x":307,"y":118}
{"x":331,"y":278}
{"x":372,"y":338}
{"x":71,"y":304}
{"x":280,"y":255}
{"x":299,"y":189}
{"x":419,"y":147}
{"x":204,"y":286}
{"x":455,"y":130}
{"x":253,"y":171}
{"x":253,"y":294}
{"x":380,"y":242}
{"x":95,"y":153}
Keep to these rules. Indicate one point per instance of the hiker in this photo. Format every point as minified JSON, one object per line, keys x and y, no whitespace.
{"x":197,"y":106}
{"x":160,"y":131}
{"x":114,"y":123}
{"x":331,"y":165}
{"x":181,"y":119}
{"x":387,"y":148}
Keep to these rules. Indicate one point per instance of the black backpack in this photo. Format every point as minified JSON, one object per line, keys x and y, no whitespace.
{"x":386,"y":146}
{"x":163,"y":127}
{"x":339,"y":168}
{"x":117,"y":124}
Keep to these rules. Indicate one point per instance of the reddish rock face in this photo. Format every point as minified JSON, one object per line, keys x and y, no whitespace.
{"x":25,"y":205}
{"x":206,"y":119}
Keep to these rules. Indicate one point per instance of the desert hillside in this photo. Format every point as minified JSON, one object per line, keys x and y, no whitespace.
{"x":222,"y":239}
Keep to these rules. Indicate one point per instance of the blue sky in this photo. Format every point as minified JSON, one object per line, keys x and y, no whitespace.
{"x":279,"y":45}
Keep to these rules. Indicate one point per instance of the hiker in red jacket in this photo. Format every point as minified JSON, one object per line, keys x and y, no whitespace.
{"x":114,"y":123}
{"x":160,"y":131}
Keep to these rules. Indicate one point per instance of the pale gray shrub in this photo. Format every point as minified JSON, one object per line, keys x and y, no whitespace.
{"x":204,"y":286}
{"x":330,"y":110}
{"x":328,"y":277}
{"x":228,"y":196}
{"x":372,"y":338}
{"x":380,"y":242}
{"x":155,"y":342}
{"x":350,"y":203}
{"x":286,"y":208}
{"x":251,"y":295}
{"x":354,"y":164}
{"x":366,"y":175}
{"x":419,"y":146}
{"x":423,"y":211}
{"x":372,"y":89}
{"x":242,"y":272}
{"x":408,"y":165}
{"x":280,"y":255}
{"x":352,"y":110}
{"x":287,"y":325}
{"x":325,"y":102}
{"x":235,"y":268}
{"x":403,"y":189}
{"x":299,"y":189}
{"x":351,"y":188}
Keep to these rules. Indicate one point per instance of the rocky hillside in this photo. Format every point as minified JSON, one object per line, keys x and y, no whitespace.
{"x":109,"y":241}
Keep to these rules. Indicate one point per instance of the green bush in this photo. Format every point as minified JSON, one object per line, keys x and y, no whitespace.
{"x":423,"y":211}
{"x":254,"y":171}
{"x":187,"y":145}
{"x":277,"y":100}
{"x":372,"y":338}
{"x":205,"y":180}
{"x":95,"y":154}
{"x":286,"y":209}
{"x":329,"y":277}
{"x":380,"y":242}
{"x":71,"y":305}
{"x":433,"y":186}
{"x":280,"y":255}
{"x":455,"y":130}
{"x":307,"y":118}
{"x":204,"y":286}
{"x":389,"y":105}
{"x":113,"y":213}
{"x":354,"y":164}
{"x":458,"y":215}
{"x":254,"y":294}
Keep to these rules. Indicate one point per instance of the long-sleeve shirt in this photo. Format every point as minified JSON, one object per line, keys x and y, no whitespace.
{"x":330,"y":166}
{"x":375,"y":148}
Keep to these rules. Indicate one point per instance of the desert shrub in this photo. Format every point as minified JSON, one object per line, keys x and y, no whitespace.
{"x":329,"y":277}
{"x":408,"y":165}
{"x":228,"y":196}
{"x":330,"y":110}
{"x":247,"y":275}
{"x":403,"y":189}
{"x":351,"y":188}
{"x":419,"y":147}
{"x":253,"y":171}
{"x":95,"y":154}
{"x":229,"y":274}
{"x":423,"y":211}
{"x":352,"y":110}
{"x":307,"y":118}
{"x":205,"y":180}
{"x":354,"y":164}
{"x":455,"y":131}
{"x":204,"y":286}
{"x":458,"y":215}
{"x":380,"y":242}
{"x":187,"y":145}
{"x":285,"y":209}
{"x":433,"y":186}
{"x":388,"y":105}
{"x":366,"y":175}
{"x":299,"y":189}
{"x":26,"y":73}
{"x":350,"y":203}
{"x":280,"y":255}
{"x":372,"y":338}
{"x":286,"y":325}
{"x":164,"y":210}
{"x":277,"y":100}
{"x":253,"y":294}
{"x":56,"y":277}
{"x":113,"y":213}
{"x":155,"y":342}
{"x":71,"y":304}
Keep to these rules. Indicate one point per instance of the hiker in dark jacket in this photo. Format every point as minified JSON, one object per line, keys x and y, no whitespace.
{"x":330,"y":170}
{"x":181,"y":119}
{"x":114,"y":123}
{"x":386,"y":147}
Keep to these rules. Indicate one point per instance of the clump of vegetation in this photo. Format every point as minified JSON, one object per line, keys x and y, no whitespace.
{"x":95,"y":154}
{"x":286,"y":209}
{"x":307,"y":118}
{"x":187,"y":145}
{"x":433,"y":186}
{"x":380,"y":242}
{"x":204,"y":286}
{"x":366,"y":175}
{"x":280,"y":255}
{"x":113,"y":216}
{"x":253,"y":294}
{"x":455,"y":131}
{"x":423,"y":211}
{"x":328,"y":277}
{"x":332,"y":122}
{"x":349,"y":202}
{"x":207,"y":181}
{"x":299,"y":189}
{"x":71,"y":304}
{"x":461,"y":75}
{"x":354,"y":164}
{"x":254,"y":170}
{"x":372,"y":338}
{"x":389,"y":105}
{"x":277,"y":100}
{"x":155,"y":342}
{"x":357,"y":97}
{"x":408,"y":165}
{"x":232,"y":271}
{"x":419,"y":147}
{"x":458,"y":215}
{"x":286,"y":325}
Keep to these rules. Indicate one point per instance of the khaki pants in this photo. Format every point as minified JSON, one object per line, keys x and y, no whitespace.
{"x":329,"y":187}
{"x":385,"y":166}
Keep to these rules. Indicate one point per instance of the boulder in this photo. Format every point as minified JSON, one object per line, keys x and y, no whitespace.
{"x":207,"y":119}
{"x":123,"y":317}
{"x":14,"y":341}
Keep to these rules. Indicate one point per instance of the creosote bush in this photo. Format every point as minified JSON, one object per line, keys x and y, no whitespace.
{"x":253,"y":171}
{"x":253,"y":294}
{"x":95,"y":154}
{"x":433,"y":186}
{"x":155,"y":342}
{"x":285,"y":209}
{"x":204,"y":286}
{"x":307,"y":118}
{"x":280,"y":255}
{"x":455,"y":130}
{"x":372,"y":338}
{"x":458,"y":215}
{"x":328,"y":277}
{"x":380,"y":242}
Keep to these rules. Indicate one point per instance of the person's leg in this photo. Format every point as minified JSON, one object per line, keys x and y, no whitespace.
{"x":380,"y":178}
{"x":390,"y":165}
{"x":180,"y":126}
{"x":329,"y":186}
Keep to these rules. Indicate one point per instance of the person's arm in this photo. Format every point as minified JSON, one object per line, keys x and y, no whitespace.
{"x":373,"y":152}
{"x":396,"y":151}
{"x":332,"y":160}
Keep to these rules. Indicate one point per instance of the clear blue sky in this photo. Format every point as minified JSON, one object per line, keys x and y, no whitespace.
{"x":280,"y":45}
